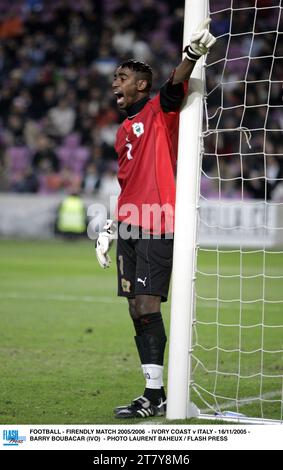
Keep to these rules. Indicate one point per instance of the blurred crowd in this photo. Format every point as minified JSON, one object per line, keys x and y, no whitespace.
{"x":58,"y":116}
{"x":243,"y":145}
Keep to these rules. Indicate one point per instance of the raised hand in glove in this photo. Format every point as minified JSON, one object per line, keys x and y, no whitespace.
{"x":104,"y":242}
{"x":201,"y":41}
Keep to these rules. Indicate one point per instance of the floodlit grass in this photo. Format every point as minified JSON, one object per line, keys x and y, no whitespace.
{"x":67,"y":351}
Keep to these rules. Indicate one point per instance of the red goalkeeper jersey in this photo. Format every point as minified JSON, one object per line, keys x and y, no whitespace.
{"x":147,"y":144}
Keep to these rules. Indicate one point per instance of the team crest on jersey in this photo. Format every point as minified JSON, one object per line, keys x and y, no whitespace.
{"x":138,"y":128}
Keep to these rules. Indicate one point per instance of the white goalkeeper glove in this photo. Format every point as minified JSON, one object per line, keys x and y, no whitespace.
{"x":201,"y":41}
{"x":104,"y":242}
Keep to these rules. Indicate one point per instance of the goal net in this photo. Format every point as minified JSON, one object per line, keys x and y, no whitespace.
{"x":237,"y":359}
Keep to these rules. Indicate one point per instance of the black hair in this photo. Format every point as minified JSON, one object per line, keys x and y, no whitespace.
{"x":143,"y":70}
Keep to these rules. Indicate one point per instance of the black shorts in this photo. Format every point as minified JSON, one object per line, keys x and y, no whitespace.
{"x":144,"y":266}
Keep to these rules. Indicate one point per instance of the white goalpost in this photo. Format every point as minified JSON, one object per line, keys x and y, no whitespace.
{"x":185,"y":229}
{"x":226,"y":328}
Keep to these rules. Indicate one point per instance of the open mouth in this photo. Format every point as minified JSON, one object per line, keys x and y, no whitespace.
{"x":120,"y":97}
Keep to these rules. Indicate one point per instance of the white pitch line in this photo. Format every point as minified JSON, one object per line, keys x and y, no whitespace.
{"x":229,"y":405}
{"x":245,"y":401}
{"x":91,"y":298}
{"x":58,"y":297}
{"x":212,"y":304}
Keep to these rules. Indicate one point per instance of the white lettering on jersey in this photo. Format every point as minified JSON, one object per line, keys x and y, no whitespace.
{"x":129,"y":147}
{"x":138,"y":128}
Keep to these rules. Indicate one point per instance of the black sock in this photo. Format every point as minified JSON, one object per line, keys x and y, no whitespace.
{"x":153,"y":395}
{"x":138,"y":326}
{"x":152,"y":324}
{"x":150,"y":338}
{"x":154,"y":338}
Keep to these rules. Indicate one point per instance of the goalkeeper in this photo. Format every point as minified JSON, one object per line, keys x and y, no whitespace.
{"x":146,"y":145}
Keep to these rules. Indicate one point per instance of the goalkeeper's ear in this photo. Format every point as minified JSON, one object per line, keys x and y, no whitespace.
{"x":142,"y":85}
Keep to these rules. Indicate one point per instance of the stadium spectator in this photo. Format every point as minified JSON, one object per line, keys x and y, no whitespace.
{"x":4,"y":177}
{"x":45,"y":155}
{"x":61,"y":119}
{"x":91,"y":180}
{"x":109,"y":185}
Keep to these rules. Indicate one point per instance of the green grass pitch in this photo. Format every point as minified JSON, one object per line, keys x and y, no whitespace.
{"x":67,"y":353}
